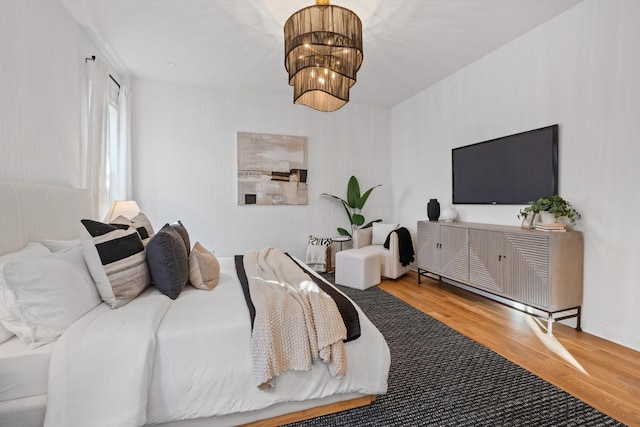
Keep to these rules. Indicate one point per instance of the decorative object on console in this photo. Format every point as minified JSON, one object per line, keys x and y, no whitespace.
{"x":547,"y":217}
{"x":323,"y":52}
{"x":433,"y":210}
{"x":449,"y":214}
{"x":551,"y":227}
{"x":554,"y":205}
{"x":126,"y":208}
{"x":527,"y":221}
{"x":354,"y":205}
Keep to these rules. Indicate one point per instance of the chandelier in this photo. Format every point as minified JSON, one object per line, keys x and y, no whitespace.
{"x":323,"y":52}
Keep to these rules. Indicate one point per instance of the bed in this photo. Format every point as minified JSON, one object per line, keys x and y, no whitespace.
{"x":198,"y":371}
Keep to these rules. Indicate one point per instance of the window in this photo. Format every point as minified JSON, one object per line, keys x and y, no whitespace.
{"x":114,"y":159}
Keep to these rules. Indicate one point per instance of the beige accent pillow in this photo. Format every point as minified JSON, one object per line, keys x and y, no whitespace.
{"x":204,"y":268}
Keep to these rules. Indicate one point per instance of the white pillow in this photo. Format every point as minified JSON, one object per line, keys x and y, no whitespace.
{"x":40,"y":298}
{"x":61,"y":245}
{"x":30,"y":251}
{"x":33,"y":250}
{"x":381,"y":231}
{"x":5,"y":334}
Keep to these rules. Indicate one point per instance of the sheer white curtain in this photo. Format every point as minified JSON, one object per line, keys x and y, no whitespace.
{"x":95,"y":162}
{"x":120,"y":185}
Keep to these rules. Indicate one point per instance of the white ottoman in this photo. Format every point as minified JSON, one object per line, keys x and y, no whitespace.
{"x":357,"y":269}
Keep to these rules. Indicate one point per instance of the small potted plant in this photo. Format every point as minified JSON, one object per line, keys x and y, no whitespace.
{"x":555,"y":206}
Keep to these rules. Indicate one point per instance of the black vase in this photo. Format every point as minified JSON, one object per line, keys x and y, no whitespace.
{"x":433,"y":209}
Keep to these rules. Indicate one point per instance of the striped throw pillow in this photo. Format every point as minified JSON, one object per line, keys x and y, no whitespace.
{"x":117,"y":261}
{"x":143,"y":225}
{"x":319,"y":241}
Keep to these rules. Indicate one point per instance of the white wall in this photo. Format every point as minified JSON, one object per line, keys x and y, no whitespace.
{"x":582,"y":71}
{"x":185,"y":164}
{"x":42,"y":79}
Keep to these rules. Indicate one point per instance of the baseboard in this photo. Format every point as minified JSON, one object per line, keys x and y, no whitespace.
{"x":613,"y":333}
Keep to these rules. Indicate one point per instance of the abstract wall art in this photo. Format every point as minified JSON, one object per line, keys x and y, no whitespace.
{"x":272,"y":169}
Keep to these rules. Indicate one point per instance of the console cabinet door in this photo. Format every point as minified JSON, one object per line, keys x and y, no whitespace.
{"x":454,"y":253}
{"x":485,"y":259}
{"x":526,"y":272}
{"x":429,"y":246}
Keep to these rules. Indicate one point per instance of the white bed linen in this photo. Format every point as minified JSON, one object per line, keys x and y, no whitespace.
{"x":101,"y":366}
{"x":23,"y":371}
{"x":201,"y":367}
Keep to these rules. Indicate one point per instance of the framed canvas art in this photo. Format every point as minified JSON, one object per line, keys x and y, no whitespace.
{"x":272,"y":169}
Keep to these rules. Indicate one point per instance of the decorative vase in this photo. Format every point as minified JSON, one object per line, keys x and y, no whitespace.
{"x":433,"y":209}
{"x":449,"y":214}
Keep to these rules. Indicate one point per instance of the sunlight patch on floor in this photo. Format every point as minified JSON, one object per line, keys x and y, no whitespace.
{"x":551,"y":342}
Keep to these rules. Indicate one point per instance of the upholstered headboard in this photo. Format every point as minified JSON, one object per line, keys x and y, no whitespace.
{"x":33,"y":212}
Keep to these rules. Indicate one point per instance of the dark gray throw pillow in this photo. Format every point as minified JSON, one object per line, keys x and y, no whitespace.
{"x":168,"y":261}
{"x":183,"y":233}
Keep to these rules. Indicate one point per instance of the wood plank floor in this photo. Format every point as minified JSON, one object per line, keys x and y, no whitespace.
{"x":603,"y":374}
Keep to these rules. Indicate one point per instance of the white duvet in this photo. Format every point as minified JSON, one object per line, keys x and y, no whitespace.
{"x":156,"y":360}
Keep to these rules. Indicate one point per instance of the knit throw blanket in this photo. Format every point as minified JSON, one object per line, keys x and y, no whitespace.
{"x":296,"y":322}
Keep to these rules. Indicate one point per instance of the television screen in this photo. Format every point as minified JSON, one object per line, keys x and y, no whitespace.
{"x":514,"y":169}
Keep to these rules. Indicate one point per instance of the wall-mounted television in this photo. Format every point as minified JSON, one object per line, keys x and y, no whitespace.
{"x":514,"y":169}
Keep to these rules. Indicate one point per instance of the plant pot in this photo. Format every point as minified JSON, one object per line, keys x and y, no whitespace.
{"x":547,"y":217}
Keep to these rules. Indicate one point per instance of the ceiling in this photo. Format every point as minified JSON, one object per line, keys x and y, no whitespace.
{"x":408,"y":44}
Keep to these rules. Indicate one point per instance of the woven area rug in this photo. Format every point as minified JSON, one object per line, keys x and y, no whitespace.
{"x":439,"y":377}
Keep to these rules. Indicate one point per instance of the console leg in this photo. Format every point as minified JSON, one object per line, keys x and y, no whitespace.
{"x":550,"y":325}
{"x":578,"y":327}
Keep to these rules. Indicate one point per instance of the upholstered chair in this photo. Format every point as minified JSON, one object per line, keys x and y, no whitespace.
{"x":390,"y":265}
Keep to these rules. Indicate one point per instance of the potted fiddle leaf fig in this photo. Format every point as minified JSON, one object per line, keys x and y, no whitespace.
{"x":353,"y":206}
{"x":555,"y":206}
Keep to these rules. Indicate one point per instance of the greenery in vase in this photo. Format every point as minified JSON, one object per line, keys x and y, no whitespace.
{"x":353,"y":206}
{"x":555,"y":205}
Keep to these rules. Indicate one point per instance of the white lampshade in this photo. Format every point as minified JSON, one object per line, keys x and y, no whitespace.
{"x":126,"y":208}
